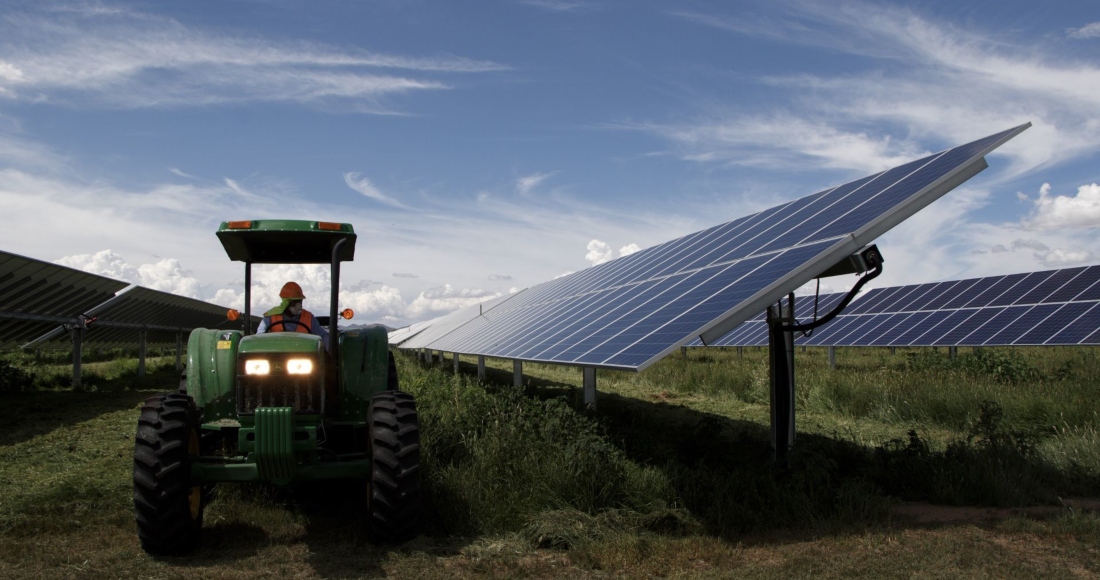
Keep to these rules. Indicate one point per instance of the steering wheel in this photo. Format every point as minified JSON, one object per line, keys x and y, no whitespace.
{"x":283,"y":322}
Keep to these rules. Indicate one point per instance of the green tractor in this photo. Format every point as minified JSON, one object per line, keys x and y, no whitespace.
{"x":279,"y":407}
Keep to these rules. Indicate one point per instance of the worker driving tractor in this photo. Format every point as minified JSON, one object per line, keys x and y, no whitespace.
{"x":290,"y":316}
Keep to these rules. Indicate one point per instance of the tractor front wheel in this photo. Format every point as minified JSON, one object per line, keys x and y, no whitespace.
{"x":168,"y":505}
{"x":393,"y":495}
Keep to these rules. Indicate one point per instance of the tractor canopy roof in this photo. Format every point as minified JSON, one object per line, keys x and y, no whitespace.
{"x":286,"y":241}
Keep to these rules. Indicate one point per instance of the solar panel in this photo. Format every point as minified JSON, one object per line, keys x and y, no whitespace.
{"x":162,"y":313}
{"x":630,"y":312}
{"x":424,"y":336}
{"x":1052,"y":307}
{"x":32,"y":288}
{"x":754,"y":332}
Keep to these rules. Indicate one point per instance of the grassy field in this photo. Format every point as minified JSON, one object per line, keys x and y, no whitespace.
{"x":911,"y":464}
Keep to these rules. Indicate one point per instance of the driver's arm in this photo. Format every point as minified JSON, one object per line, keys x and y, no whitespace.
{"x":262,"y":328}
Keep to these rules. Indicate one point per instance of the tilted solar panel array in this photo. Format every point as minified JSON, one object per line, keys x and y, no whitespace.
{"x":755,"y":332}
{"x":37,"y":298}
{"x":30,"y":287}
{"x":1053,"y":307}
{"x":166,"y":313}
{"x":629,"y":312}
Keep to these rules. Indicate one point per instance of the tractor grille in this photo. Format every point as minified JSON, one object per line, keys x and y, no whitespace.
{"x":303,"y":393}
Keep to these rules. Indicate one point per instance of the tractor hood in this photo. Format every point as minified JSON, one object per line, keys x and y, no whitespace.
{"x":285,"y":342}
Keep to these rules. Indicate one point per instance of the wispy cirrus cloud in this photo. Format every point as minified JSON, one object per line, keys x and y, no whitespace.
{"x":526,"y":184}
{"x":1091,"y":30}
{"x":127,"y":59}
{"x":364,"y":186}
{"x":929,"y":83}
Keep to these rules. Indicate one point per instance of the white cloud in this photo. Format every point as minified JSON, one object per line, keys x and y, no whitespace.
{"x":404,"y":275}
{"x":365,"y":187}
{"x":496,"y":277}
{"x":446,"y":299}
{"x":527,"y":183}
{"x":166,"y":275}
{"x":1061,"y":211}
{"x":926,"y":81}
{"x":598,"y":253}
{"x":562,"y":5}
{"x":132,"y":60}
{"x":1091,"y":30}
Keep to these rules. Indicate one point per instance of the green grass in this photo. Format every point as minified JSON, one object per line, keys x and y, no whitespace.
{"x":671,"y":476}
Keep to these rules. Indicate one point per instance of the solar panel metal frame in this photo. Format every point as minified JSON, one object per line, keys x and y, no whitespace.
{"x":993,"y":310}
{"x":575,"y":295}
{"x":52,"y":293}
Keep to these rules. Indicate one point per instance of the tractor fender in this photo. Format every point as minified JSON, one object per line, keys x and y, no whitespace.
{"x":212,"y":371}
{"x":364,"y":369}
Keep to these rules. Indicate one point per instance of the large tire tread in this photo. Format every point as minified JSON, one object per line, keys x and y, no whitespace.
{"x":394,"y":502}
{"x":162,"y":474}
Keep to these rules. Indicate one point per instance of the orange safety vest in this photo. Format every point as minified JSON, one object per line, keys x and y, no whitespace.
{"x":305,"y":323}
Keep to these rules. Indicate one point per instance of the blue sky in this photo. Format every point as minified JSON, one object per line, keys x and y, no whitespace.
{"x":481,"y":147}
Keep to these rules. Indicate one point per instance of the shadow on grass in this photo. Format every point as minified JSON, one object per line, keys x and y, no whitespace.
{"x":29,"y":414}
{"x":723,"y":472}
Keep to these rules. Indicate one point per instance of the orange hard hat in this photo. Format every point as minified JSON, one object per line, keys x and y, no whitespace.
{"x":292,"y":291}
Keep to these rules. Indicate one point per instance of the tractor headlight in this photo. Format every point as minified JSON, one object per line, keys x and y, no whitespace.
{"x":299,"y":366}
{"x":257,"y":367}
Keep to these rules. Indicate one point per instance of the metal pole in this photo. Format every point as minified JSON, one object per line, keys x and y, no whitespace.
{"x":480,"y":367}
{"x":893,"y":350}
{"x":455,"y":355}
{"x":247,"y":298}
{"x":832,"y":357}
{"x":78,"y":345}
{"x":953,"y":351}
{"x":781,"y":359}
{"x":334,"y":297}
{"x":141,"y":353}
{"x":739,"y":352}
{"x":590,"y":388}
{"x":684,"y":352}
{"x":517,"y":373}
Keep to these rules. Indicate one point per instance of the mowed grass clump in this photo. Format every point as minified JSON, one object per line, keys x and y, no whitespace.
{"x":495,"y":460}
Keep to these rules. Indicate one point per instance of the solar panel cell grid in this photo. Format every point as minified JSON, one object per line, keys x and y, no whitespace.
{"x":1059,"y":319}
{"x":631,"y":310}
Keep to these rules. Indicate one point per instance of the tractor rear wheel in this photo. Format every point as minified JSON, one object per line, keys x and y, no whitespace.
{"x":393,"y":494}
{"x":168,"y":506}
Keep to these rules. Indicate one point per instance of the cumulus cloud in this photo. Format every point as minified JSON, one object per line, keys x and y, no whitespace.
{"x":495,"y":277}
{"x":1044,"y":254}
{"x":1091,"y":30}
{"x":166,"y":275}
{"x":446,"y":299}
{"x":600,"y":252}
{"x":1062,"y":211}
{"x":365,"y":187}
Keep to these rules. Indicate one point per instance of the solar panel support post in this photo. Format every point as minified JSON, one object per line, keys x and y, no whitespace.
{"x":781,"y":365}
{"x":455,"y":356}
{"x":952,"y":351}
{"x":590,"y":388}
{"x":684,"y":352}
{"x":740,"y":352}
{"x":77,"y":333}
{"x":480,"y":367}
{"x":141,"y":353}
{"x":832,"y":357}
{"x":517,"y":373}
